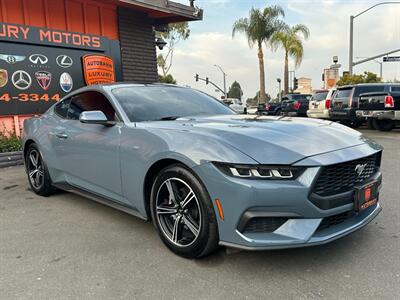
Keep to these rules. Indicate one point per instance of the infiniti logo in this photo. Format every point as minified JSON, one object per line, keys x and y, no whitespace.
{"x":38,"y":59}
{"x":360,"y":168}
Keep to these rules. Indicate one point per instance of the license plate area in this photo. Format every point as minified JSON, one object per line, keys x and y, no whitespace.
{"x":366,"y":196}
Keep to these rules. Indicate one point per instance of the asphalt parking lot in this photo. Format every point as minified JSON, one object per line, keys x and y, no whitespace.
{"x":69,"y":247}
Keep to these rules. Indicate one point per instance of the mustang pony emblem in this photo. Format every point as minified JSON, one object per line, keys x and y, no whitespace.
{"x":360,"y":168}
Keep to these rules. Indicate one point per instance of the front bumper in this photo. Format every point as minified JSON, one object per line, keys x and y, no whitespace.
{"x":302,"y":225}
{"x":379,"y":114}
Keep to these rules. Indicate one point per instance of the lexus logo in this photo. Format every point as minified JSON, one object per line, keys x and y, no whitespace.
{"x":64,"y":61}
{"x":38,"y":59}
{"x":360,"y":168}
{"x":21,"y":80}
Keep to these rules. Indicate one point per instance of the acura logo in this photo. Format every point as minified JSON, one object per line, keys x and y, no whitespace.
{"x":21,"y":80}
{"x":38,"y":59}
{"x":360,"y":168}
{"x":64,"y":61}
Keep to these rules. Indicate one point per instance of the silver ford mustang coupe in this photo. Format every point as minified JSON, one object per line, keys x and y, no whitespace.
{"x":204,"y":175}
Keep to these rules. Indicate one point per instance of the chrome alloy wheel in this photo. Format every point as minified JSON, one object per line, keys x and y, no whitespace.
{"x":35,"y":169}
{"x":178,"y":212}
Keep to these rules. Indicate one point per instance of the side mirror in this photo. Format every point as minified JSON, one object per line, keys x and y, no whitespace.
{"x":95,"y":117}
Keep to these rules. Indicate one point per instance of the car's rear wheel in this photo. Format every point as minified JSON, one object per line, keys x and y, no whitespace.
{"x":384,"y":125}
{"x":38,"y":174}
{"x":182,"y":213}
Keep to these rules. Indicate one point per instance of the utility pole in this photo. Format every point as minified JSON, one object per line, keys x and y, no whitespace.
{"x":224,"y":76}
{"x":280,"y":90}
{"x":351,"y":63}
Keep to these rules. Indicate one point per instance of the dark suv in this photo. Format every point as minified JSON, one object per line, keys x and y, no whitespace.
{"x":295,"y":105}
{"x":345,"y":102}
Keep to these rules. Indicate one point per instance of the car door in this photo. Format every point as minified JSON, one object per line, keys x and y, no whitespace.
{"x":89,"y":154}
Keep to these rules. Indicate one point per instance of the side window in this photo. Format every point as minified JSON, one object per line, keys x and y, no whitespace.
{"x":61,"y":108}
{"x":90,"y":101}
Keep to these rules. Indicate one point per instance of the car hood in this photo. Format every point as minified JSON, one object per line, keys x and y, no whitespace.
{"x":270,"y":140}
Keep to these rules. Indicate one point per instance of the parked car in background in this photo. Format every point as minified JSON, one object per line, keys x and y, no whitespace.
{"x":295,"y":105}
{"x":345,"y":102}
{"x":252,"y":109}
{"x":272,"y":108}
{"x":236,"y":105}
{"x":320,"y":103}
{"x":382,"y":108}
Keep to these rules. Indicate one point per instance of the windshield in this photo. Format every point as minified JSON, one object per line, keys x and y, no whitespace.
{"x":153,"y":103}
{"x":320,"y":96}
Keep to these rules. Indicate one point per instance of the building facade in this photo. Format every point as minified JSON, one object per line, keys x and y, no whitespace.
{"x":50,"y":47}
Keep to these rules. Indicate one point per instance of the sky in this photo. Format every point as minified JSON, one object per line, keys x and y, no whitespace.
{"x":211,"y":42}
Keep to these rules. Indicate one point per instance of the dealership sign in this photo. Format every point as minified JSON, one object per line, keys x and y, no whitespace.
{"x":98,"y":69}
{"x":39,"y":66}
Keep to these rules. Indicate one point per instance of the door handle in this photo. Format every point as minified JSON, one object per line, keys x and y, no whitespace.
{"x":61,"y":135}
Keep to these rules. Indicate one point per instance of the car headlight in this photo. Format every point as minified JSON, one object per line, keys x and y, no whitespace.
{"x":269,"y":172}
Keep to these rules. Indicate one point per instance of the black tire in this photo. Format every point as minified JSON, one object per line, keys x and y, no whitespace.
{"x":245,"y":111}
{"x":384,"y":125}
{"x":201,"y":213}
{"x":43,"y":185}
{"x":352,"y":124}
{"x":370,"y":124}
{"x":278,"y":112}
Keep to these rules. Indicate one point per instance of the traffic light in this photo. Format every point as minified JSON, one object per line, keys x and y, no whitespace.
{"x":295,"y":83}
{"x":206,"y":80}
{"x":197,"y":77}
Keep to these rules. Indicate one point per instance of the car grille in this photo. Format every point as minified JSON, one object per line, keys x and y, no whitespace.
{"x":335,"y":219}
{"x":264,"y":224}
{"x":343,"y":177}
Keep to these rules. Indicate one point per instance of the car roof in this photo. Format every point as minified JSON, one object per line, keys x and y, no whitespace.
{"x":367,"y":84}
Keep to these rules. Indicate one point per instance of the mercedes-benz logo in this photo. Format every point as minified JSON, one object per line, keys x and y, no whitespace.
{"x":360,"y":168}
{"x":21,"y":80}
{"x":64,"y":61}
{"x":38,"y":59}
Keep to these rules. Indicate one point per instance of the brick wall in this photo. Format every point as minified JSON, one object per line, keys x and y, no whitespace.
{"x":138,"y":50}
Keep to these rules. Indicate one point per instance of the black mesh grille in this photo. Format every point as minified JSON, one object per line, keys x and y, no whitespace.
{"x":343,"y":177}
{"x":335,"y":220}
{"x":264,"y":224}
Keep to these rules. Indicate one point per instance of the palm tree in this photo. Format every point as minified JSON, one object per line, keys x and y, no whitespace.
{"x":259,"y":27}
{"x":291,"y":40}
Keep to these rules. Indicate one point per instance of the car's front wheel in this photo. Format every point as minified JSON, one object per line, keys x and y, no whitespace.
{"x":182,"y":212}
{"x":38,"y":175}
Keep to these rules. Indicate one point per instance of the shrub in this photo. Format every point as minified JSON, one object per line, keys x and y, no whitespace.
{"x":10,"y":143}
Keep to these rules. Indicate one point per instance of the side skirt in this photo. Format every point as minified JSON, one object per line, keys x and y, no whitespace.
{"x":100,"y":199}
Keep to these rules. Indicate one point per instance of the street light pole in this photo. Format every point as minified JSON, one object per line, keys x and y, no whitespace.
{"x":351,"y":46}
{"x":224,"y":75}
{"x":378,"y":62}
{"x":280,"y":90}
{"x":351,"y":63}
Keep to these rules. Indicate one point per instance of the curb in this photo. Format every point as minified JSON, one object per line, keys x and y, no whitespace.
{"x":8,"y":159}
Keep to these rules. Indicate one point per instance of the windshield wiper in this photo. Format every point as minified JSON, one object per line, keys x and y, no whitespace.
{"x":169,"y":118}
